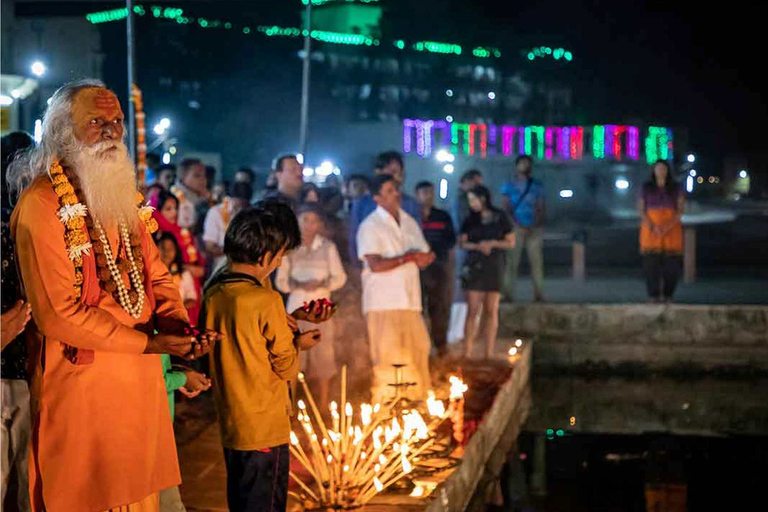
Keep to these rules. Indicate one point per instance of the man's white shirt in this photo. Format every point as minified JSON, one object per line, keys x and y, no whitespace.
{"x":399,"y":288}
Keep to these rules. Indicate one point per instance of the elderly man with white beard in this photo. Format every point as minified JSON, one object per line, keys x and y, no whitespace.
{"x":104,"y":308}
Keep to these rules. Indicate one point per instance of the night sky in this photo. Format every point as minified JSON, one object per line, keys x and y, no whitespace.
{"x":677,"y":62}
{"x":672,"y":63}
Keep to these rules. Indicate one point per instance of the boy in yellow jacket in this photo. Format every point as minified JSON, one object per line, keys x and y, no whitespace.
{"x":257,"y":357}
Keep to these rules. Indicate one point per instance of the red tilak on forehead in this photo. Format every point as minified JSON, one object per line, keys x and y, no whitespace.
{"x":106,"y":100}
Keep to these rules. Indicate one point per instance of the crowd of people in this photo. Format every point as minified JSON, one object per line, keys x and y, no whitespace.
{"x":113,"y":301}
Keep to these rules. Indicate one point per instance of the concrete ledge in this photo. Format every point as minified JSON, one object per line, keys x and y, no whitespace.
{"x":486,"y":450}
{"x":655,"y":335}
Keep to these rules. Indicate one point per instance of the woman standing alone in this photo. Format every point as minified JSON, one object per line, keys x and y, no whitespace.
{"x":661,"y":206}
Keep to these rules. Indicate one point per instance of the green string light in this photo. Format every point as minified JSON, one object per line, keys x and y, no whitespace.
{"x":400,"y":44}
{"x":246,"y":30}
{"x":539,"y":131}
{"x":435,"y":47}
{"x":598,"y":141}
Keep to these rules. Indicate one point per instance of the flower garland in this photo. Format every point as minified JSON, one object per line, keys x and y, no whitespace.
{"x":74,"y":215}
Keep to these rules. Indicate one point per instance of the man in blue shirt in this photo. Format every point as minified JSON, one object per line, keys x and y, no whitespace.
{"x":523,"y":200}
{"x":390,"y":163}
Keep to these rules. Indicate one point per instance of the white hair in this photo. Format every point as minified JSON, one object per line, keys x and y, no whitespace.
{"x":58,"y":138}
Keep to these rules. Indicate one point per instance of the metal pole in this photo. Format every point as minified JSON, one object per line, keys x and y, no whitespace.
{"x":305,"y":82}
{"x":131,"y":121}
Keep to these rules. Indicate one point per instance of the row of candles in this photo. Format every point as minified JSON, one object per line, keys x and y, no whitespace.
{"x":362,"y":454}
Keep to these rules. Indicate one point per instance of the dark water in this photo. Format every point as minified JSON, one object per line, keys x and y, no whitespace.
{"x":659,"y":443}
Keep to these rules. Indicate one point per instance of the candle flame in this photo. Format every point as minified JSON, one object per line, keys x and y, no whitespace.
{"x":377,"y":468}
{"x":294,"y":439}
{"x":377,"y":484}
{"x":346,"y":468}
{"x":366,"y":412}
{"x":434,"y":406}
{"x":382,"y":460}
{"x":376,"y":408}
{"x":348,"y":409}
{"x":334,"y":405}
{"x":417,"y":491}
{"x":329,"y":458}
{"x":513,"y":351}
{"x":302,"y":405}
{"x":407,"y":466}
{"x":458,"y":388}
{"x":363,"y":455}
{"x":519,"y":343}
{"x":301,"y":377}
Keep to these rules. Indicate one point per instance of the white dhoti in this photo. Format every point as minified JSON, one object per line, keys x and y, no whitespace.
{"x":398,"y":337}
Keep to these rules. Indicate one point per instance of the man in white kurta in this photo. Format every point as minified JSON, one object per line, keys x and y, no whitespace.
{"x":393,"y":250}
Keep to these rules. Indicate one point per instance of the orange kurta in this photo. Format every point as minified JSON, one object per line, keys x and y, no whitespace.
{"x":102,"y":432}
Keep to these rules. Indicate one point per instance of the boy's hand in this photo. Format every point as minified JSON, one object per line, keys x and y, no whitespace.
{"x":308,"y":339}
{"x":292,"y":323}
{"x":315,"y":314}
{"x":196,"y":384}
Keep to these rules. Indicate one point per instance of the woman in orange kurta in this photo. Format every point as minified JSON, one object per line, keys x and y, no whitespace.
{"x":661,"y":232}
{"x":102,"y":433}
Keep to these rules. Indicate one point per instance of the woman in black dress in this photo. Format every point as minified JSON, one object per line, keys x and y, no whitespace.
{"x":485,"y":236}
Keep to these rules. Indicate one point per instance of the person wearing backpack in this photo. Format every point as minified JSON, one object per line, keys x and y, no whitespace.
{"x":524,"y":202}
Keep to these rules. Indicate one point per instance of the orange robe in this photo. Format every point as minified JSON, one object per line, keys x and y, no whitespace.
{"x":102,"y":435}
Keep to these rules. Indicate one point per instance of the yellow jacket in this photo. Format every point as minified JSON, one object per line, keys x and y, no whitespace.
{"x":252,"y":364}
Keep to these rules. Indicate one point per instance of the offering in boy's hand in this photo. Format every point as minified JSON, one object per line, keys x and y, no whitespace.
{"x":316,"y":311}
{"x":318,"y":305}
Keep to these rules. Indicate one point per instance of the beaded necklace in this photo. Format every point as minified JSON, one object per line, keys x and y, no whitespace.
{"x":74,"y":215}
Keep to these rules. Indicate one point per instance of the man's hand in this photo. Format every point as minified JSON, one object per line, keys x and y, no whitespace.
{"x":308,"y":339}
{"x":187,"y":346}
{"x":196,"y":384}
{"x":14,"y":320}
{"x":317,"y":313}
{"x":486,"y":247}
{"x":173,"y":344}
{"x":422,"y":259}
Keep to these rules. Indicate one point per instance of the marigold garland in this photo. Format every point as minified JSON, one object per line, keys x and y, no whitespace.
{"x":74,"y":216}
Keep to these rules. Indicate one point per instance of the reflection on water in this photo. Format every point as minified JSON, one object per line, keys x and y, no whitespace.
{"x":641,"y":445}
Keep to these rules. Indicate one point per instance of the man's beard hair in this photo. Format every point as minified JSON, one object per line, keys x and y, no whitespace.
{"x":108,"y":182}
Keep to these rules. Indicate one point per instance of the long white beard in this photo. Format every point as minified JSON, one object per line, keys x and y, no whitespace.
{"x":108,"y":181}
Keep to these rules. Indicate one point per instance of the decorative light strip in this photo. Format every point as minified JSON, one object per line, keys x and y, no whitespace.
{"x":322,"y":2}
{"x":435,"y":47}
{"x":176,"y":14}
{"x":598,"y":141}
{"x":658,"y":144}
{"x":542,"y":52}
{"x":619,"y":142}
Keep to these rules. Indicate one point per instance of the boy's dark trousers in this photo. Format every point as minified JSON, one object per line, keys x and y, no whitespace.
{"x":437,"y":286}
{"x":257,"y":481}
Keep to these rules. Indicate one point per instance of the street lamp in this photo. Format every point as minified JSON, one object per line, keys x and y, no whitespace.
{"x":38,"y":68}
